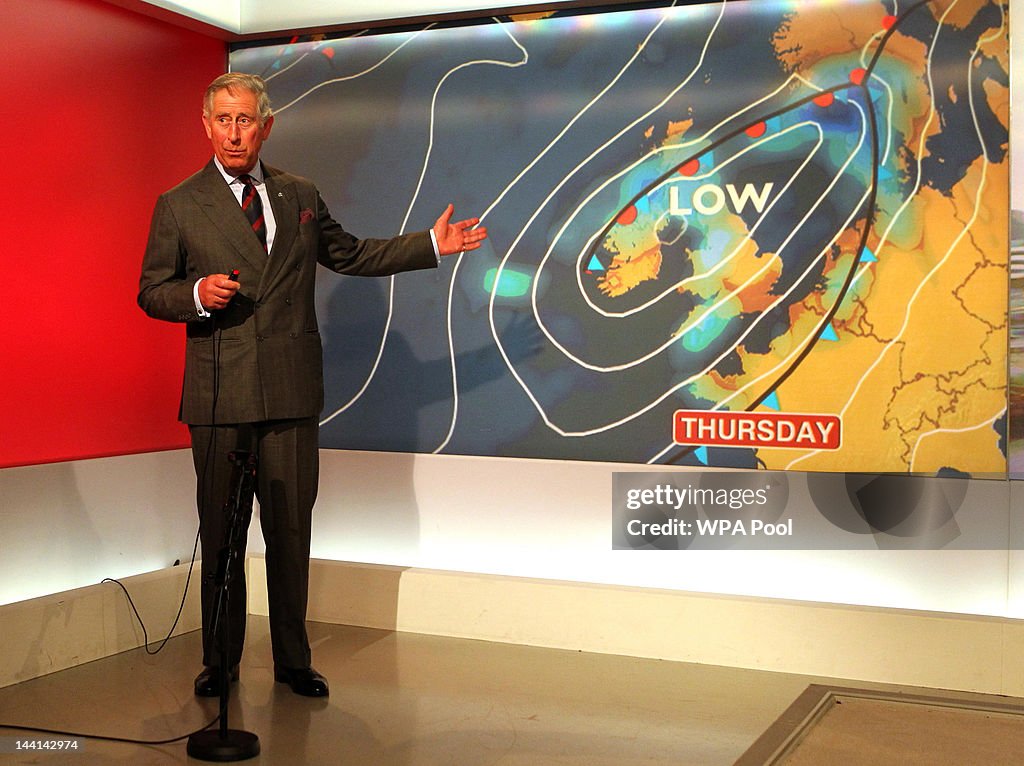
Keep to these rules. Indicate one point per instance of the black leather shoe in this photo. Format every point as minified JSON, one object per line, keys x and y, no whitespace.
{"x":304,"y":681}
{"x":207,"y":683}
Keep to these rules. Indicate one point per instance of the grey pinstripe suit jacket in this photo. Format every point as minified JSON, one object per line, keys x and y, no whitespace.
{"x":267,"y":344}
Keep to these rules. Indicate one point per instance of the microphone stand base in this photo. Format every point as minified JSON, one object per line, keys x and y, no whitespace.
{"x":217,"y":745}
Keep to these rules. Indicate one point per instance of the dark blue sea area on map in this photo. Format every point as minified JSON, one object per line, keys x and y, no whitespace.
{"x":957,"y":146}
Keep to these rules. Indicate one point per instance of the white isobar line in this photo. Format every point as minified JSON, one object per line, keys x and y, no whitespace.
{"x":497,"y":201}
{"x":974,"y":427}
{"x":686,"y":381}
{"x":293,"y":102}
{"x":885,"y":155}
{"x":669,"y":181}
{"x":700,"y":317}
{"x":281,"y":71}
{"x":482,"y":216}
{"x":391,"y":280}
{"x":354,"y":76}
{"x":671,"y":390}
{"x":673,"y":445}
{"x":519,"y":379}
{"x":956,"y":240}
{"x":686,"y":145}
{"x":799,"y":349}
{"x":888,"y":148}
{"x":574,"y":171}
{"x":629,"y":168}
{"x":455,"y":269}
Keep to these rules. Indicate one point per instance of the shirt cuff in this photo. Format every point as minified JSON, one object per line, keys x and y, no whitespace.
{"x":433,"y":241}
{"x":202,"y":312}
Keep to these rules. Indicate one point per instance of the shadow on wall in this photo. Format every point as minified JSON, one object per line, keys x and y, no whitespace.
{"x":69,"y":525}
{"x":51,"y":544}
{"x":50,"y":538}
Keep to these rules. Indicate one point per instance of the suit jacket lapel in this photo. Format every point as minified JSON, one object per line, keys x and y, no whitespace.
{"x":218,"y":202}
{"x":286,"y":218}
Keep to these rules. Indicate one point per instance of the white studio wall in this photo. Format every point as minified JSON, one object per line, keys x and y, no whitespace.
{"x":77,"y":523}
{"x":525,"y":521}
{"x":552,"y":520}
{"x":69,"y":525}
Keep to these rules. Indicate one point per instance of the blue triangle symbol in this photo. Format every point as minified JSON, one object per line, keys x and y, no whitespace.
{"x":595,"y":264}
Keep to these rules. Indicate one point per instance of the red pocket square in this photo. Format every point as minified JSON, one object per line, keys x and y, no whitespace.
{"x":305,"y":216}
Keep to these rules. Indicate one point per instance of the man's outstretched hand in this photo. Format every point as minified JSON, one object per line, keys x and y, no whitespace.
{"x":455,"y":237}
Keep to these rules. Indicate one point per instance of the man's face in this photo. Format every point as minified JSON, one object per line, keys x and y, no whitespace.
{"x":233,"y":127}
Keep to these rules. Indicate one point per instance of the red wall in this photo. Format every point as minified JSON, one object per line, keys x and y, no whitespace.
{"x":101,"y":114}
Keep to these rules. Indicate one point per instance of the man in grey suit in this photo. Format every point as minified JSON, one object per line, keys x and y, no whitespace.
{"x":253,"y":361}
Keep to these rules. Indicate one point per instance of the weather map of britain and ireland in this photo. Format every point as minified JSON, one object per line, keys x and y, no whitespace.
{"x":743,"y":234}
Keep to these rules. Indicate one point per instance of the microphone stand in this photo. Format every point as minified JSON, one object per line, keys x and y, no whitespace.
{"x":227,"y":744}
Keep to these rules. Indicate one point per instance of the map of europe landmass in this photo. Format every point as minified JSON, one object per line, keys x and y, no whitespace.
{"x":922,"y":346}
{"x":779,"y":207}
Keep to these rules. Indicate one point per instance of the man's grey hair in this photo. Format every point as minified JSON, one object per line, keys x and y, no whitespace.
{"x":232,"y":80}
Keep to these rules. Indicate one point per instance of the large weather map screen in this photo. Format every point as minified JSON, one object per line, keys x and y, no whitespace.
{"x":746,"y":234}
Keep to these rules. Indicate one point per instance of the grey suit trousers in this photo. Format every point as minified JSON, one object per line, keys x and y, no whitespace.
{"x":288,"y":456}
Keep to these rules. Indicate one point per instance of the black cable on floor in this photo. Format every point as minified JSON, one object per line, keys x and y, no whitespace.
{"x":145,"y":637}
{"x":181,"y":606}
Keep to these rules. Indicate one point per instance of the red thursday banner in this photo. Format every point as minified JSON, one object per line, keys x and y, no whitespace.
{"x":757,"y":429}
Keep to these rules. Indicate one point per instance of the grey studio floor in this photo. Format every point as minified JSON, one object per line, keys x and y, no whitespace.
{"x":413,"y":700}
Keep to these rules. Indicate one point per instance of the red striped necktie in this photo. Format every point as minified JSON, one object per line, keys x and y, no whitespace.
{"x":252,"y":206}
